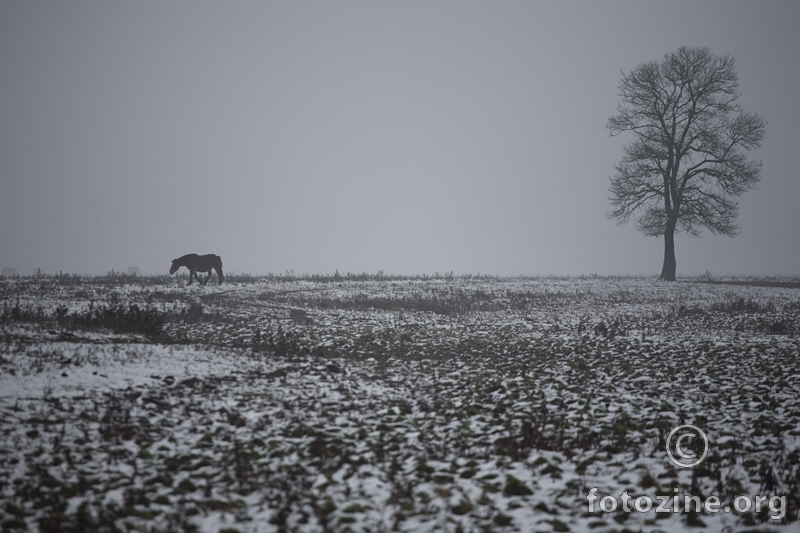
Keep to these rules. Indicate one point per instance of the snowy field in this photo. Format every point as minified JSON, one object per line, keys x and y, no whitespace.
{"x":369,"y":404}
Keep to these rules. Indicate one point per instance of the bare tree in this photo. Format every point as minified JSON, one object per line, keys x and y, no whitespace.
{"x":687,"y":161}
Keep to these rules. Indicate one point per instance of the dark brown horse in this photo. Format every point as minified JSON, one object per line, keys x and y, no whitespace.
{"x":199,"y":263}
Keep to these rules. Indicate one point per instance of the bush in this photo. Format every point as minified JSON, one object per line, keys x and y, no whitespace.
{"x":115,"y":317}
{"x":740,"y":304}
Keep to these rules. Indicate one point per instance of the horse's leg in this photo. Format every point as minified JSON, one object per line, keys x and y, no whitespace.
{"x":208,"y":278}
{"x":219,"y":274}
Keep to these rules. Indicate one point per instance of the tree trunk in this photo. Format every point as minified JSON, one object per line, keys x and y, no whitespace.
{"x":668,"y":270}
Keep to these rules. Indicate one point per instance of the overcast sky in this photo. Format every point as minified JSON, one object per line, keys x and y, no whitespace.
{"x":408,"y":137}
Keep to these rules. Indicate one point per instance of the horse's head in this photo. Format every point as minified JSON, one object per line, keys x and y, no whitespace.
{"x":175,"y":266}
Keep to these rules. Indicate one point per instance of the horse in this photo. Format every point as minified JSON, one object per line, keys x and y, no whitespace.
{"x":199,"y":263}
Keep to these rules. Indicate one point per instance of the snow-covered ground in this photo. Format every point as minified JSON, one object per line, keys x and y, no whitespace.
{"x":400,"y":404}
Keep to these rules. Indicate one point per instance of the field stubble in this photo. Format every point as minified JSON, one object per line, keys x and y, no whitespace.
{"x":450,"y":404}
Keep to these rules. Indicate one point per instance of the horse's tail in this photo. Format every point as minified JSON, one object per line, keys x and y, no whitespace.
{"x":219,"y":270}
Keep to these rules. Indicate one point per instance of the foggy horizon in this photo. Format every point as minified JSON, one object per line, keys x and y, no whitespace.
{"x":408,"y":138}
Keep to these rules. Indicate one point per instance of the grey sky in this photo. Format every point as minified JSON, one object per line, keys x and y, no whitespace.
{"x":404,"y":136}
